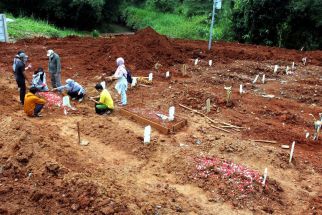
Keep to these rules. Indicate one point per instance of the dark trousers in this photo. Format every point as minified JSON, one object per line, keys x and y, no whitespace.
{"x":38,"y":108}
{"x":75,"y":95}
{"x":22,"y":86}
{"x":101,"y":109}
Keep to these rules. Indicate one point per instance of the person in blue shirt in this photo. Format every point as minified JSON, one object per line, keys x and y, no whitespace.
{"x":39,"y":80}
{"x":74,"y":90}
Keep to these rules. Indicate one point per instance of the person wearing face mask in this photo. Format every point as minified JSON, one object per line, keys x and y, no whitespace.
{"x":54,"y":68}
{"x":39,"y":80}
{"x":21,"y":77}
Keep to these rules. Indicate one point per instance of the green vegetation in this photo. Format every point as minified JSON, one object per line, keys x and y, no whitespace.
{"x":169,"y":24}
{"x":24,"y":27}
{"x":283,"y":23}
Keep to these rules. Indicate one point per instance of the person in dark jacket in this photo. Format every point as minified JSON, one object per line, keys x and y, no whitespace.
{"x":21,"y":77}
{"x":54,"y":68}
{"x":15,"y":60}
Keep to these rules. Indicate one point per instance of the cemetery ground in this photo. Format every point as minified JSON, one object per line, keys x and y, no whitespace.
{"x":211,"y":166}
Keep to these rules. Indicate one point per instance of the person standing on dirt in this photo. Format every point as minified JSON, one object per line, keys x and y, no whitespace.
{"x":15,"y":60}
{"x":121,"y":76}
{"x":74,"y":90}
{"x":21,"y":77}
{"x":104,"y":103}
{"x":54,"y":68}
{"x":33,"y":104}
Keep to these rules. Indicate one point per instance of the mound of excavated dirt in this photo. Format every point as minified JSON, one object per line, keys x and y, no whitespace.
{"x":143,"y":50}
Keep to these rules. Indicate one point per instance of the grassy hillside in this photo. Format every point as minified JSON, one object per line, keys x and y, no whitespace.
{"x":173,"y":25}
{"x":24,"y":27}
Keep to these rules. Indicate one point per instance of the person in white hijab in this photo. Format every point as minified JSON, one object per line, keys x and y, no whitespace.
{"x":122,"y":84}
{"x":74,"y":90}
{"x":39,"y":80}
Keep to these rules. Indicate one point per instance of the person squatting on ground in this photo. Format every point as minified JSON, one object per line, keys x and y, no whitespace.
{"x":54,"y":68}
{"x":74,"y":90}
{"x":39,"y":80}
{"x":21,"y":77}
{"x":33,"y":104}
{"x":121,"y":85}
{"x":104,"y":103}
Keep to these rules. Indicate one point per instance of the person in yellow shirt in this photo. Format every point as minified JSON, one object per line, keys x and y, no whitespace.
{"x":33,"y":104}
{"x":104,"y":103}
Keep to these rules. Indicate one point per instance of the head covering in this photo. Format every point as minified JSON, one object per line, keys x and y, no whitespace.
{"x":19,"y":52}
{"x":120,"y":61}
{"x":23,"y":56}
{"x":40,"y":69}
{"x":69,"y":81}
{"x":50,"y":52}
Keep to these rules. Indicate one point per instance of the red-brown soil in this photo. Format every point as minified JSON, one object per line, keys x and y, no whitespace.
{"x":43,"y":169}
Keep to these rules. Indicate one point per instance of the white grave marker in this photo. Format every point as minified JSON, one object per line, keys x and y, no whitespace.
{"x":147,"y":134}
{"x":196,"y":62}
{"x":307,"y":135}
{"x":304,"y":60}
{"x":263,"y":79}
{"x":293,"y":66}
{"x":167,"y":74}
{"x":287,"y":69}
{"x":150,"y":76}
{"x":66,"y":102}
{"x":255,"y":80}
{"x":292,"y":151}
{"x":171,"y":113}
{"x":210,"y":62}
{"x":103,"y":83}
{"x":275,"y":69}
{"x":265,"y":176}
{"x":135,"y":80}
{"x":241,"y":91}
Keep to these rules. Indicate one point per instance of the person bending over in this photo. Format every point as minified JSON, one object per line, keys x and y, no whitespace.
{"x":74,"y":90}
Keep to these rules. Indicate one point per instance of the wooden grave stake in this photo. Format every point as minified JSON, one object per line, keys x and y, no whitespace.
{"x":208,"y":105}
{"x":79,"y":141}
{"x":184,"y":70}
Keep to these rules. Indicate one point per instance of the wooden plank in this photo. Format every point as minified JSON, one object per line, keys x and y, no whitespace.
{"x":145,"y":121}
{"x":221,"y":129}
{"x":264,"y":141}
{"x":179,"y":125}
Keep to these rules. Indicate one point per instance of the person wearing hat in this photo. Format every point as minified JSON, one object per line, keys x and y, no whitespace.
{"x":54,"y":68}
{"x":21,"y":77}
{"x":33,"y":104}
{"x":74,"y":89}
{"x":15,"y":60}
{"x":103,"y":103}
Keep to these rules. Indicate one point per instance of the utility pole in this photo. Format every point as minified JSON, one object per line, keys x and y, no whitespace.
{"x":216,"y":5}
